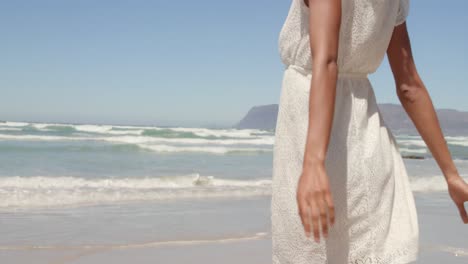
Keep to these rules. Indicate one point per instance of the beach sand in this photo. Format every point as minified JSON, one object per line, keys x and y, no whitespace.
{"x":225,"y":231}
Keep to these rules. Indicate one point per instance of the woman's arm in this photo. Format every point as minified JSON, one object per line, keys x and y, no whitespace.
{"x":417,"y":102}
{"x":415,"y":99}
{"x":313,"y":194}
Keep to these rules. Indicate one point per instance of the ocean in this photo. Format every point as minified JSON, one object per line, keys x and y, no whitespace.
{"x":81,"y":187}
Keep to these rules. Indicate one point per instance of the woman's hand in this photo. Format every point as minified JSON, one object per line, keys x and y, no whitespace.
{"x":314,"y":199}
{"x":458,"y":190}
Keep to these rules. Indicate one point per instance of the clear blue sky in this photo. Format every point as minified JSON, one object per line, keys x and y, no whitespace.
{"x":184,"y":62}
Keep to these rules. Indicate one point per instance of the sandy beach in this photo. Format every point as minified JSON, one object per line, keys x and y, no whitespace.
{"x":230,"y":231}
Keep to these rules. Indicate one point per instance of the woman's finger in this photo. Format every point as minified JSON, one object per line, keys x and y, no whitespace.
{"x":315,"y":216}
{"x":304,"y":214}
{"x":323,"y":215}
{"x":463,"y":214}
{"x":331,"y":207}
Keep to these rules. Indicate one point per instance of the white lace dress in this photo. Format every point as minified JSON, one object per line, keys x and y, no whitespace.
{"x":376,"y":220}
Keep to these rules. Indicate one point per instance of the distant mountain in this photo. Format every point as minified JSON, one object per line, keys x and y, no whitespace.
{"x":260,"y":117}
{"x":453,"y":122}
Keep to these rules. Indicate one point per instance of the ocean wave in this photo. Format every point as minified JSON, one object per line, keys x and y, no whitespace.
{"x":457,"y":138}
{"x":36,"y":137}
{"x":418,"y":141}
{"x":206,"y":149}
{"x":458,"y":143}
{"x":93,"y":128}
{"x":416,"y":151}
{"x":56,"y":129}
{"x":407,"y":136}
{"x":434,"y":183}
{"x":269,"y":140}
{"x":231,"y":133}
{"x":10,"y":128}
{"x":41,"y":191}
{"x":165,"y":144}
{"x":193,"y":141}
{"x":14,"y":124}
{"x":149,"y":131}
{"x":90,"y":129}
{"x":69,"y":182}
{"x":411,"y":142}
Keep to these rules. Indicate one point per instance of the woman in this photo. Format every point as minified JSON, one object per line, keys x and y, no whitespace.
{"x":337,"y":170}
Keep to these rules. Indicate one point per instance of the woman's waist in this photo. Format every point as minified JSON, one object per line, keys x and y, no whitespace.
{"x":341,"y":74}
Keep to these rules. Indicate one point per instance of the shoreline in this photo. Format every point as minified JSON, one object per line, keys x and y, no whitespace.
{"x":224,"y":231}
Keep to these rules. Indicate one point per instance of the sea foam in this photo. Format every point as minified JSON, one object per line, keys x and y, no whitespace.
{"x":42,"y":191}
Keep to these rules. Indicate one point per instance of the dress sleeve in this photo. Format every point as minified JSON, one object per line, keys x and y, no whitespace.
{"x":403,"y":10}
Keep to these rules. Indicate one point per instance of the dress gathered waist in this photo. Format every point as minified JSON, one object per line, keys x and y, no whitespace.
{"x":304,"y":71}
